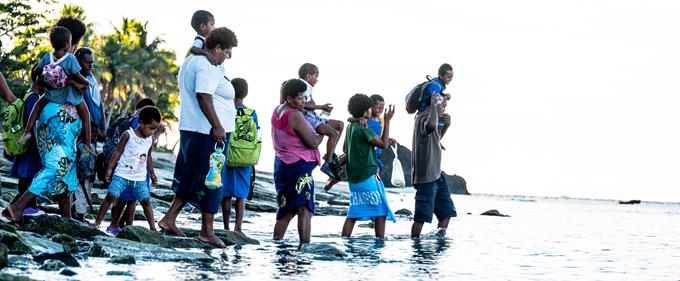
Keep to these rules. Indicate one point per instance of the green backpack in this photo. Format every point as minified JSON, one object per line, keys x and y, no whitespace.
{"x":244,"y":143}
{"x":13,"y":127}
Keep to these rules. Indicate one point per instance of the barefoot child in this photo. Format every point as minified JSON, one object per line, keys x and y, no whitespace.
{"x":237,"y":179}
{"x":133,"y":158}
{"x":59,"y":69}
{"x":309,"y":74}
{"x":367,"y":192}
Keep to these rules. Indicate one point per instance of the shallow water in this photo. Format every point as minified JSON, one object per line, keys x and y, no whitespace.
{"x":544,"y":239}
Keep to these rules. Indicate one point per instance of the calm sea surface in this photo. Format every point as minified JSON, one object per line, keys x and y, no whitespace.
{"x":543,"y":239}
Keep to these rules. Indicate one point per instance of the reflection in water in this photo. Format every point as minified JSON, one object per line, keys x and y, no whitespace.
{"x":426,"y":254}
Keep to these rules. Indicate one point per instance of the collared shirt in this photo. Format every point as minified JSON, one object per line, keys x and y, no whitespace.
{"x":93,"y":100}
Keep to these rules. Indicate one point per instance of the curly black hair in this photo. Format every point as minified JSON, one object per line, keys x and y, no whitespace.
{"x":307,"y":69}
{"x":358,"y":105}
{"x":82,"y":52}
{"x":144,"y":102}
{"x":149,"y":114}
{"x":240,"y":87}
{"x":294,"y":88}
{"x":377,"y":98}
{"x":201,"y":17}
{"x":445,"y":68}
{"x":221,"y":36}
{"x":75,"y":26}
{"x":60,"y":37}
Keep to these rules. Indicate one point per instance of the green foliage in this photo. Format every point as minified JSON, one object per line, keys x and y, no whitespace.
{"x":130,"y":66}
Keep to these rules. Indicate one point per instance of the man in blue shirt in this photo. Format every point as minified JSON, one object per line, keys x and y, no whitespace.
{"x":92,"y":97}
{"x":438,"y":85}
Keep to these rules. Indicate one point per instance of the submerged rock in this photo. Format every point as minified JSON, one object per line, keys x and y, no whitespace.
{"x":68,"y":272}
{"x":323,"y":251}
{"x":186,"y":243}
{"x":40,"y":244}
{"x":261,"y":206}
{"x":52,"y":225}
{"x":493,"y":212}
{"x":11,"y":277}
{"x":97,"y":251}
{"x":70,"y":244}
{"x":127,"y":259}
{"x":404,"y":212}
{"x":52,"y":265}
{"x":64,"y":257}
{"x":370,"y":224}
{"x":146,"y":252}
{"x":163,"y":194}
{"x":338,"y":202}
{"x":119,"y":273}
{"x":331,"y":211}
{"x":13,"y":243}
{"x":141,"y":234}
{"x":4,"y":259}
{"x":7,"y":227}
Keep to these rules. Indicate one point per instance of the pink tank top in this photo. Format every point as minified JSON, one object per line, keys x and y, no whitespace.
{"x":288,"y":146}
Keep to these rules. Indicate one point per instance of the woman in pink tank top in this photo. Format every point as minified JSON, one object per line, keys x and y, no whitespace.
{"x":297,"y":154}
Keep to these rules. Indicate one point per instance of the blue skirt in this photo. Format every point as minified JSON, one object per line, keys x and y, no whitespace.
{"x":57,"y":130}
{"x":294,"y":186}
{"x":236,"y":182}
{"x":367,"y":200}
{"x":191,"y":168}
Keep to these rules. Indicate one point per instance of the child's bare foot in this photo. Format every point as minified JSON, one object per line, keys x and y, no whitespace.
{"x":212,"y":240}
{"x":25,"y":138}
{"x":89,"y":149}
{"x":172,"y":229}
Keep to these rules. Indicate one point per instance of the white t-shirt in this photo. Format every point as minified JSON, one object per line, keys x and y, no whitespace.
{"x":132,"y":163}
{"x":308,"y":92}
{"x":197,"y":75}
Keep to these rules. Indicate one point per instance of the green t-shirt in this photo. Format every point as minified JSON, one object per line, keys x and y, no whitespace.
{"x":360,"y":153}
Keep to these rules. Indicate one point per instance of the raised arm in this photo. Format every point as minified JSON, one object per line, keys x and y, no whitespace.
{"x":384,"y":142}
{"x":433,"y":117}
{"x":196,"y":51}
{"x":297,"y":122}
{"x":7,"y":94}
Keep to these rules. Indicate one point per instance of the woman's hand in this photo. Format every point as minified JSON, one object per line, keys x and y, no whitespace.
{"x":219,"y":134}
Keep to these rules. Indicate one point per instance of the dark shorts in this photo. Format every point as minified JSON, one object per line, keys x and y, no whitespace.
{"x":294,"y":186}
{"x":433,"y":198}
{"x":191,"y":168}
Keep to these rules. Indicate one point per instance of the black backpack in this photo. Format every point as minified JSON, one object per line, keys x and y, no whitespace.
{"x":414,"y":96}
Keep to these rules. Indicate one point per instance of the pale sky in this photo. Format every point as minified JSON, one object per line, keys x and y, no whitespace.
{"x":574,"y":98}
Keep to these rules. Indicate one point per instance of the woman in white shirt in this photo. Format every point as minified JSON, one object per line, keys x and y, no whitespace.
{"x":207,"y":115}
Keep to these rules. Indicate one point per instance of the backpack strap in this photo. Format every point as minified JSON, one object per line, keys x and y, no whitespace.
{"x":59,"y":60}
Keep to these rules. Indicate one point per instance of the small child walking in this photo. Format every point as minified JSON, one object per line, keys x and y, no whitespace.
{"x":132,"y":160}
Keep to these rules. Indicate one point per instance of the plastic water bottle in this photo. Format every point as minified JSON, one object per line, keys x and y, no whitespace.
{"x":214,"y":178}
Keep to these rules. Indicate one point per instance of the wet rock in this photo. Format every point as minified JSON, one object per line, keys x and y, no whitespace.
{"x":52,"y":265}
{"x":70,"y":244}
{"x":50,"y":209}
{"x":147,"y":252}
{"x":96,"y":199}
{"x":64,"y":257}
{"x":7,"y":197}
{"x":97,"y":251}
{"x":338,"y":202}
{"x":3,"y":204}
{"x":186,"y":243}
{"x":127,"y":259}
{"x":141,"y":234}
{"x":52,"y":225}
{"x":630,"y":202}
{"x":368,"y":225}
{"x":68,"y":272}
{"x":4,"y":259}
{"x":163,"y":194}
{"x":39,"y":244}
{"x":331,"y":211}
{"x":13,"y":243}
{"x":493,"y":212}
{"x":119,"y":273}
{"x":323,"y":251}
{"x":11,"y":277}
{"x":7,"y":227}
{"x":228,"y":237}
{"x":261,"y":206}
{"x":404,"y":212}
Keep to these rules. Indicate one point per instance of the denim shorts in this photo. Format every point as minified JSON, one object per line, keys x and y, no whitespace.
{"x":433,"y":198}
{"x":119,"y":184}
{"x":314,"y":119}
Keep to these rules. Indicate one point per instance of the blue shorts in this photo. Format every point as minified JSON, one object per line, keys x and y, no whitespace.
{"x":433,"y":198}
{"x":314,"y":119}
{"x":119,"y":184}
